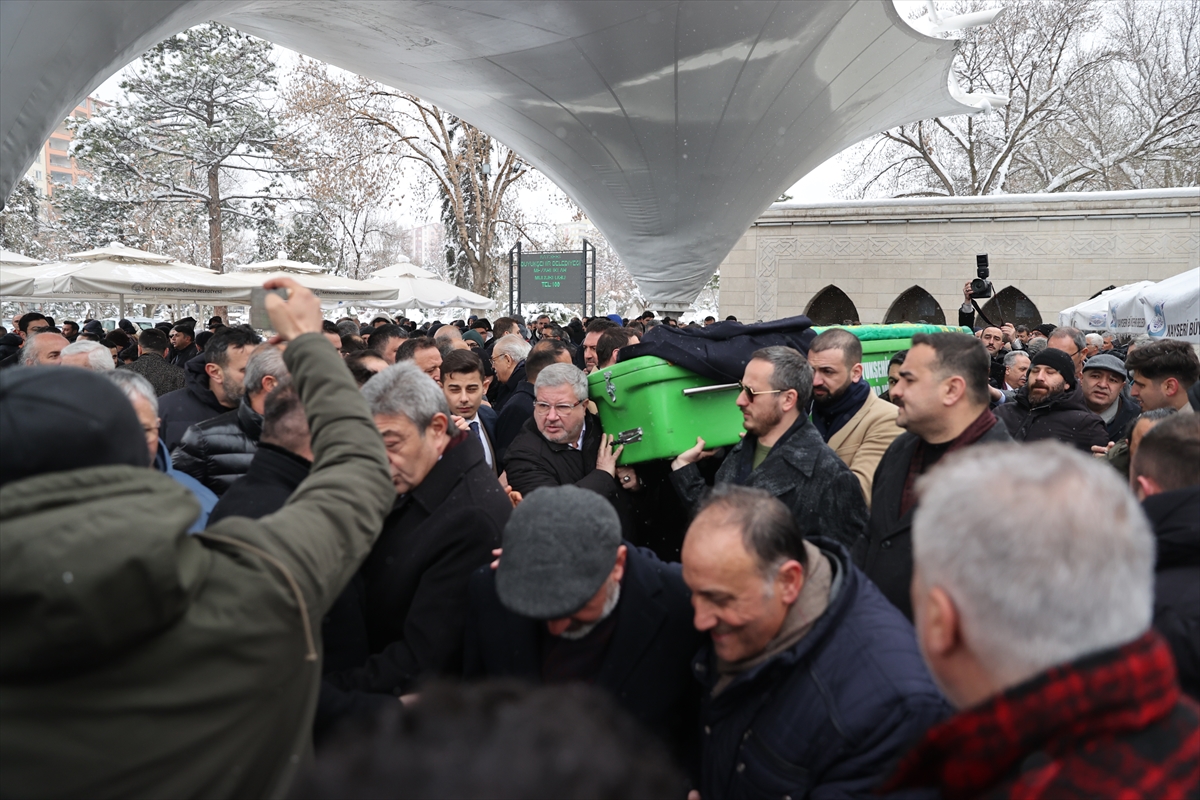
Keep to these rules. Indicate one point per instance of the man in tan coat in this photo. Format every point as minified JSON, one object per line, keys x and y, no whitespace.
{"x":856,"y":424}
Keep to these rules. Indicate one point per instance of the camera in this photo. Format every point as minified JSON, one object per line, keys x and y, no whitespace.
{"x":981,"y":287}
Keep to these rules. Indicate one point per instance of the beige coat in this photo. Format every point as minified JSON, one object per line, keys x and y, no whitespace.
{"x":861,"y":441}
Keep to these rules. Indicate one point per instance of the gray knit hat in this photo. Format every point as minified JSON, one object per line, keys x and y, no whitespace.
{"x":560,"y":544}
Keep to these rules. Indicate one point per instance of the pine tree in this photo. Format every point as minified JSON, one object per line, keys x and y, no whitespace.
{"x":194,"y":124}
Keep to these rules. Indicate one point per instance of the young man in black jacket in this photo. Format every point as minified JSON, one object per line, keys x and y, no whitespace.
{"x":1165,"y":475}
{"x":213,"y":383}
{"x":943,"y":398}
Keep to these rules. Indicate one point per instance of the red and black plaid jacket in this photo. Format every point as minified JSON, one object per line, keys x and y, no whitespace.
{"x":1111,"y":725}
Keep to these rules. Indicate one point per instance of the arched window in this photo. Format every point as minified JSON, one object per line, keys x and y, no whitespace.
{"x":831,"y":306}
{"x":915,"y":305}
{"x":1010,"y":305}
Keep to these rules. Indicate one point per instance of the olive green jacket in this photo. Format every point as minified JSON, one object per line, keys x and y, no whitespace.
{"x":139,"y":661}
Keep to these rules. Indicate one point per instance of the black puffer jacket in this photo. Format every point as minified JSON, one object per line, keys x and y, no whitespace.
{"x":183,"y":408}
{"x":1175,"y":516}
{"x":1065,"y":418}
{"x":10,"y":343}
{"x":218,"y":451}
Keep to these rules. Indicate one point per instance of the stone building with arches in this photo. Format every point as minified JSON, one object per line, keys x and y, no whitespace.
{"x":889,"y":261}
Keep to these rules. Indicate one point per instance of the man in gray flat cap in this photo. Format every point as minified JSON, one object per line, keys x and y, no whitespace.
{"x":1105,"y":393}
{"x":570,"y":602}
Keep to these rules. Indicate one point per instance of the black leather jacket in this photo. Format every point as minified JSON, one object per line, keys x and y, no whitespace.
{"x":218,"y":451}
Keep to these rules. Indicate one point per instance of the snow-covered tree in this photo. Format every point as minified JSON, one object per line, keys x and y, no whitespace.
{"x":1102,"y":96}
{"x":21,"y":224}
{"x":462,"y":171}
{"x":195,"y":125}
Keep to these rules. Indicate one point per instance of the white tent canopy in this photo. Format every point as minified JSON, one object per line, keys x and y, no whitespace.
{"x":673,"y":124}
{"x":1168,"y":309}
{"x":313,"y":277}
{"x":414,"y":291}
{"x":123,"y":273}
{"x":15,"y":282}
{"x":10,"y":259}
{"x":1092,"y":315}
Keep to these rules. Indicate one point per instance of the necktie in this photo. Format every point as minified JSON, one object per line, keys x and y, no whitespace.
{"x":487,"y":453}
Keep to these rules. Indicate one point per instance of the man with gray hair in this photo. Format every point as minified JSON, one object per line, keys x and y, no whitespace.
{"x":145,"y":404}
{"x":218,"y":451}
{"x":1072,"y":342}
{"x":42,"y":350}
{"x":88,"y":355}
{"x":563,"y":443}
{"x":1043,"y":643}
{"x":813,"y":683}
{"x":782,"y":452}
{"x":508,"y":359}
{"x":403,"y":618}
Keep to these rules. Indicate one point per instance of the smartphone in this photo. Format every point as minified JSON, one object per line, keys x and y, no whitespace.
{"x":258,"y":307}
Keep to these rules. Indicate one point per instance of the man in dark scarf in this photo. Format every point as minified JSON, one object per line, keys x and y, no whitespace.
{"x":856,"y":424}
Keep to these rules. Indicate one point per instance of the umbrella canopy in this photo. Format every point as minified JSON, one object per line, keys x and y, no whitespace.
{"x":415,"y":291}
{"x":1092,"y":315}
{"x":115,"y":251}
{"x":310,"y":276}
{"x":282,"y":263}
{"x":1169,"y":309}
{"x":15,"y":282}
{"x":10,"y":259}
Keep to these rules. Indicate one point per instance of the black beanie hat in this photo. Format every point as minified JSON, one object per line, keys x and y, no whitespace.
{"x":54,"y":419}
{"x":1059,"y":361}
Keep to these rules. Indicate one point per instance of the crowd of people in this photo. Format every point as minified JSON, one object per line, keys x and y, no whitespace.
{"x":371,"y":558}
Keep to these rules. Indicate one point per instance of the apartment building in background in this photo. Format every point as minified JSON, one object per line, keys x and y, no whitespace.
{"x":54,"y":166}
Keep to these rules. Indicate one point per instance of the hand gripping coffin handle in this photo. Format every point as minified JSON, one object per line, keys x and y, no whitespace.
{"x":608,"y":386}
{"x":720,"y":387}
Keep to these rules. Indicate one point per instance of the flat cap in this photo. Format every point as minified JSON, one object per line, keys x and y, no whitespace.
{"x":560,"y":544}
{"x":1106,"y":361}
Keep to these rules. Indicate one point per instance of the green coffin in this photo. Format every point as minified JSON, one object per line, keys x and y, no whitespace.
{"x":658,"y":409}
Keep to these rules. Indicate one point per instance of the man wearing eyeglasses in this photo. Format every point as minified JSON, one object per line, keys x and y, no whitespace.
{"x":782,"y":452}
{"x":563,"y":443}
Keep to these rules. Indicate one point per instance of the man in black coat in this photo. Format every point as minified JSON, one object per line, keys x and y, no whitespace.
{"x":943,"y":398}
{"x":1104,"y":391}
{"x":281,"y":463}
{"x":508,"y":359}
{"x":218,"y":451}
{"x":563,"y":443}
{"x":571,"y":602}
{"x":1165,"y":474}
{"x":813,"y":683}
{"x":1051,"y":406}
{"x":410,"y":595}
{"x":152,"y":364}
{"x":782,"y":452}
{"x":183,"y":344}
{"x":518,"y":408}
{"x":213,"y":384}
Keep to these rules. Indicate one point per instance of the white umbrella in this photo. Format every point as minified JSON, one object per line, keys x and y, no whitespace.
{"x":419,"y":288}
{"x":1092,"y":315}
{"x":1169,"y":309}
{"x":15,"y":282}
{"x":313,"y":277}
{"x":8,"y":258}
{"x":115,"y":272}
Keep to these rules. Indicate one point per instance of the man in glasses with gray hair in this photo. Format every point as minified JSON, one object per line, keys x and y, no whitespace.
{"x":564,"y":444}
{"x":782,"y":452}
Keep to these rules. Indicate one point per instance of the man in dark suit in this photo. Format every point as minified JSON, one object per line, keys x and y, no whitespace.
{"x":403,"y":617}
{"x":570,"y":602}
{"x":564,"y":443}
{"x":462,"y":383}
{"x":943,"y":399}
{"x":518,"y":408}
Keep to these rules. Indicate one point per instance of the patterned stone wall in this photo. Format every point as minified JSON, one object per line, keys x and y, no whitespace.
{"x":1056,"y":249}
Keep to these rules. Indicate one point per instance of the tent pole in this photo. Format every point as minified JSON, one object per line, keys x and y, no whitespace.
{"x":121,"y":307}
